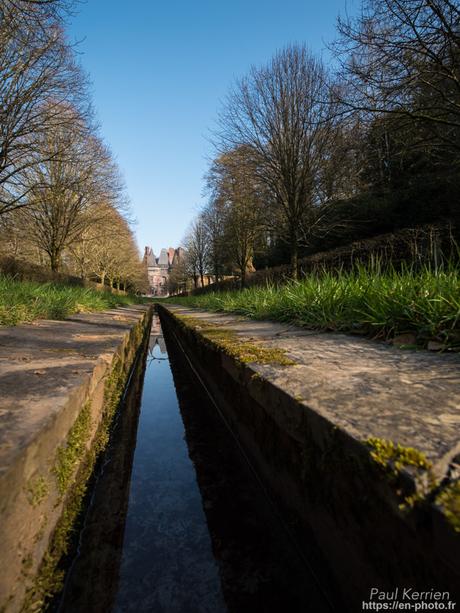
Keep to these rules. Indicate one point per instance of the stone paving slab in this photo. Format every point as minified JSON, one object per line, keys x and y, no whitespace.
{"x":368,"y":388}
{"x":44,"y":363}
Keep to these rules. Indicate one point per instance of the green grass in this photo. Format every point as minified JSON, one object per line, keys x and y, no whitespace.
{"x":24,"y":301}
{"x":371,"y":302}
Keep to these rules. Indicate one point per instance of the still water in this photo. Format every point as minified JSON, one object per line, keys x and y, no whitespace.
{"x":177,"y":521}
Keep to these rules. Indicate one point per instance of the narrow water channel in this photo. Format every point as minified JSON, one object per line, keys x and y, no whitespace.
{"x":177,"y":520}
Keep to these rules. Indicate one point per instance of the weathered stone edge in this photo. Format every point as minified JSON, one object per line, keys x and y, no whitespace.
{"x":36,"y":525}
{"x":399,"y":493}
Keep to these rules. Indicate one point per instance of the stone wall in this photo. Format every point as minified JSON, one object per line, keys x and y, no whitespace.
{"x":61,"y":385}
{"x":366,"y":511}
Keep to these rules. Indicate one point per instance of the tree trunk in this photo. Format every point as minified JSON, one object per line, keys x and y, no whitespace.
{"x":54,"y":261}
{"x":294,"y":259}
{"x":243,"y":277}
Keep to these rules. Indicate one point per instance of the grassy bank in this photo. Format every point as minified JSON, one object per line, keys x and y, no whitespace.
{"x":374,"y":303}
{"x":23,"y":301}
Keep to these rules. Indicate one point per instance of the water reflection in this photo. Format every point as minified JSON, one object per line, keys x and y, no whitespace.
{"x":177,"y":522}
{"x":167,"y":562}
{"x":157,"y":345}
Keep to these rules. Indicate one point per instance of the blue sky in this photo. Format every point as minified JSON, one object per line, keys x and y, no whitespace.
{"x":159,"y":71}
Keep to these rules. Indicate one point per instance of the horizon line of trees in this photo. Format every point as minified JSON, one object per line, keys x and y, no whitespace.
{"x":62,"y":199}
{"x":308,"y":157}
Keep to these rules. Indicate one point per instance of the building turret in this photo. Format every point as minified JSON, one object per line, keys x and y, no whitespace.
{"x":149,"y":257}
{"x":163,"y":260}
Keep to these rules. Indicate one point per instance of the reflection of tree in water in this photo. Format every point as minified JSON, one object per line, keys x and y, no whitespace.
{"x":157,"y":348}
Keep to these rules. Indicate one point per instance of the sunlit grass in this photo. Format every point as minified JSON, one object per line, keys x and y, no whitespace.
{"x":24,"y":301}
{"x":366,"y":301}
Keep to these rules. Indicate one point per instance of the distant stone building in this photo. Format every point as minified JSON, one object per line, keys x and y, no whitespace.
{"x":159,"y":268}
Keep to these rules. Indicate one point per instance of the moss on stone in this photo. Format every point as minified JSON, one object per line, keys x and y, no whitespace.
{"x":245,"y":351}
{"x":49,"y":579}
{"x":196,"y":322}
{"x":393,"y":457}
{"x":47,"y":582}
{"x":37,"y":489}
{"x":113,"y":392}
{"x":69,"y":455}
{"x":71,"y":483}
{"x":242,"y":350}
{"x":449,"y":501}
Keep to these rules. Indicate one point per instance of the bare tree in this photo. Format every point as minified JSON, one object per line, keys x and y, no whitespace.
{"x":237,"y":190}
{"x":52,"y":7}
{"x":191,"y":268}
{"x":66,"y":190}
{"x":196,"y":245}
{"x":98,"y":247}
{"x":282,"y":113}
{"x":178,"y":276}
{"x":213,"y":217}
{"x":38,"y":79}
{"x":402,"y":57}
{"x":106,"y":250}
